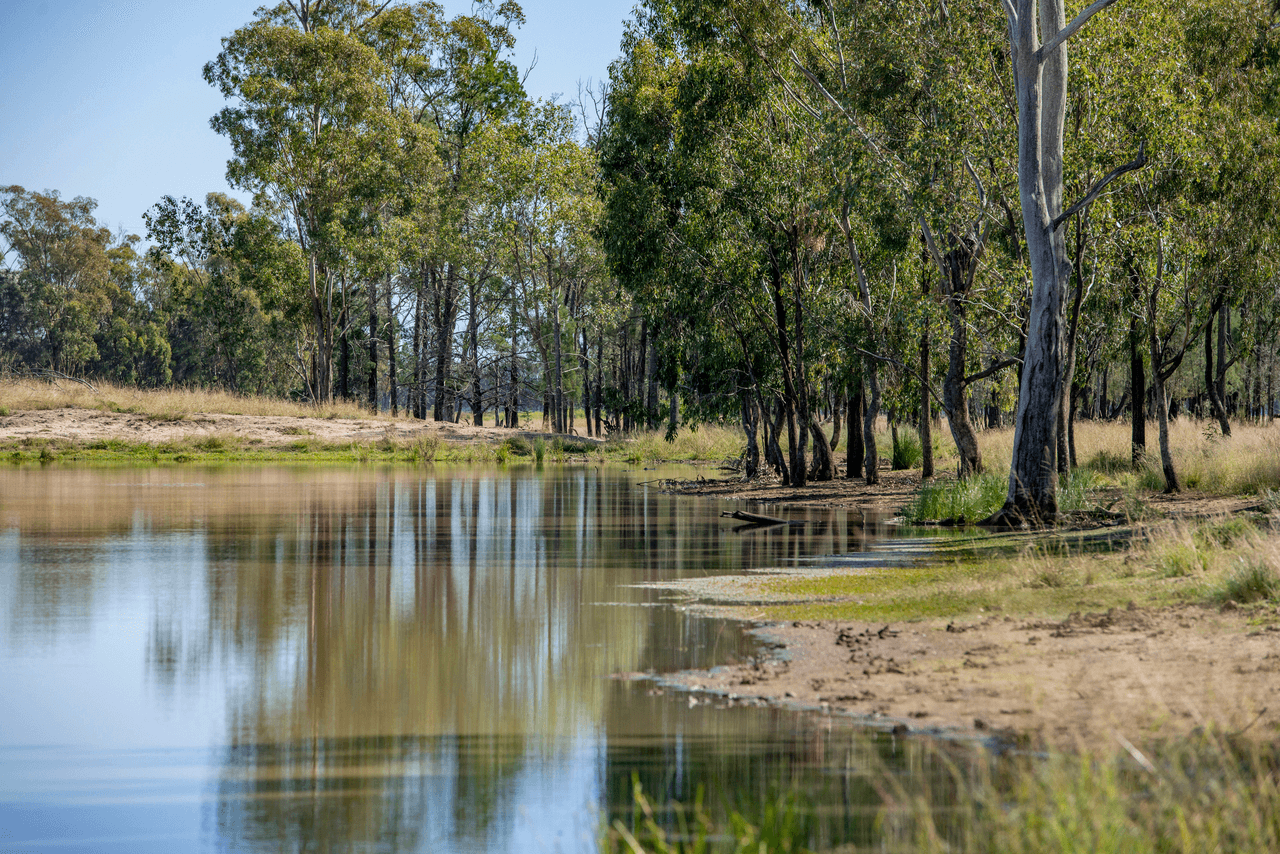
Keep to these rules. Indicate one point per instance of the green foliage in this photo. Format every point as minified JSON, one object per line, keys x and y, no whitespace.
{"x":539,"y":449}
{"x":960,"y":500}
{"x":779,"y":826}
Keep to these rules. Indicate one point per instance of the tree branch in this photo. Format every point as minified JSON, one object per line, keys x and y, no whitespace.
{"x":892,"y":361}
{"x":1096,"y":190}
{"x":994,"y":369}
{"x":1069,"y":30}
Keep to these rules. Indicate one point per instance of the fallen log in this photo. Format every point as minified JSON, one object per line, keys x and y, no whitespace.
{"x":757,"y":519}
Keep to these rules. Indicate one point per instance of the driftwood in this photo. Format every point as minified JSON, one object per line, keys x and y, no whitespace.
{"x":756,"y":520}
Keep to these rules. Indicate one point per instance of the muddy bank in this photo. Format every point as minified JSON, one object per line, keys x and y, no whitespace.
{"x":1080,"y":681}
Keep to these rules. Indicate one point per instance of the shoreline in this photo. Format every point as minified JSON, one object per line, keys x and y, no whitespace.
{"x":1076,"y":678}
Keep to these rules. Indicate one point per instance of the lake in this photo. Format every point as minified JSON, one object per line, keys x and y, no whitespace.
{"x":275,"y":658}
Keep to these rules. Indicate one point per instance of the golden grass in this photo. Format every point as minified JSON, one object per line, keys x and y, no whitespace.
{"x":165,"y":404}
{"x":1244,"y":463}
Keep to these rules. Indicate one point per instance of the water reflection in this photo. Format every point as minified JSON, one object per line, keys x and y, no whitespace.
{"x":369,"y":657}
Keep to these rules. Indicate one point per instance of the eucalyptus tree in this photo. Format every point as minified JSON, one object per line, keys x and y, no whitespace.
{"x":549,"y":209}
{"x":714,"y":216}
{"x":229,"y":287}
{"x":73,"y":301}
{"x":1232,"y":48}
{"x":313,"y":135}
{"x":471,"y":84}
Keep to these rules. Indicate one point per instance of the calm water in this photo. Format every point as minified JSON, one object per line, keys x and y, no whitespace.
{"x":293,"y":659}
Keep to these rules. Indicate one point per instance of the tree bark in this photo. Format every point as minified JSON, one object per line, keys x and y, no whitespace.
{"x":445,"y":316}
{"x":926,"y":405}
{"x":751,"y":456}
{"x":871,"y":460}
{"x":1137,"y":388}
{"x":954,"y":398}
{"x":823,"y":466}
{"x":393,"y":388}
{"x":373,"y":345}
{"x":1041,"y":82}
{"x":1157,"y":379}
{"x":1220,"y":376}
{"x":855,"y":452}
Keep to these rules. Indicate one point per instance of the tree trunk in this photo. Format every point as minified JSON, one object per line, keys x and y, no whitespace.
{"x":393,"y":389}
{"x":1157,"y":378}
{"x":1137,"y":394}
{"x":1066,"y":455}
{"x":871,"y":460}
{"x":344,"y":357}
{"x":855,"y":452}
{"x":823,"y":466}
{"x":954,"y":398}
{"x":751,"y":456}
{"x":445,"y":311}
{"x":373,"y":345}
{"x":1220,"y":376}
{"x":926,"y":405}
{"x":418,"y":397}
{"x":1041,"y":82}
{"x":837,"y":421}
{"x":651,"y":381}
{"x":599,"y":393}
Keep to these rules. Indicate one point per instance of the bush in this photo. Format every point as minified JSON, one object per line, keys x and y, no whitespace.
{"x":517,"y":446}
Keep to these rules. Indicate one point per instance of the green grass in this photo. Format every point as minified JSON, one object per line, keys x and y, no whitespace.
{"x":778,"y":826}
{"x":1211,"y":792}
{"x":1252,"y":581}
{"x":964,"y":501}
{"x":705,"y":443}
{"x":969,"y":501}
{"x":223,"y":448}
{"x":1207,"y":563}
{"x":908,"y":453}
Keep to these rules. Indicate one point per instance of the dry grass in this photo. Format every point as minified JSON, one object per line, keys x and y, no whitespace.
{"x":1244,"y":463}
{"x":163,"y":404}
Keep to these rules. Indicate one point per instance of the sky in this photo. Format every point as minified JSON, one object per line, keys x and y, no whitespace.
{"x":106,"y":99}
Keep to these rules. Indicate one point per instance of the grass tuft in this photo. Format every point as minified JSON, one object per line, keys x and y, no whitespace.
{"x":908,"y":452}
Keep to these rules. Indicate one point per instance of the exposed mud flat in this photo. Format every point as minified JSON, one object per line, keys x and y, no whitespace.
{"x":1090,"y":679}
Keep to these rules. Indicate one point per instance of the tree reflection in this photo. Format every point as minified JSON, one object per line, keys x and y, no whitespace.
{"x":399,"y":650}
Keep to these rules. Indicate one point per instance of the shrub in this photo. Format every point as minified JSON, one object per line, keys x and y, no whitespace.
{"x":517,"y":446}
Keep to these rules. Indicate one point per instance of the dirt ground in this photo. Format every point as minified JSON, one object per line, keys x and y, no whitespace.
{"x":87,"y":425}
{"x":1088,"y":679}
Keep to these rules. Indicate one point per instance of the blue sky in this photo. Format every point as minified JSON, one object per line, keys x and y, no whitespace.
{"x":105,"y":99}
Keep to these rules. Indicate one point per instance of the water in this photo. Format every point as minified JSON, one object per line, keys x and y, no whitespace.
{"x":356,"y":658}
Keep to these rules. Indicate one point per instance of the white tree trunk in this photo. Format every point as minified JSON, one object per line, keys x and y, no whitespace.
{"x":1041,"y":82}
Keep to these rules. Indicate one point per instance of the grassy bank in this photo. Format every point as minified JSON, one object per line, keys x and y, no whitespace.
{"x":1212,"y":562}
